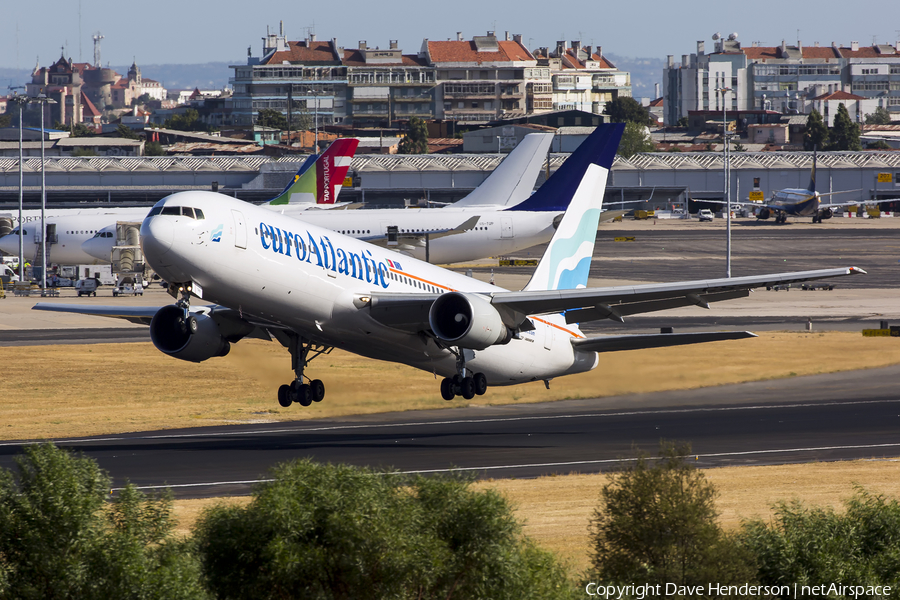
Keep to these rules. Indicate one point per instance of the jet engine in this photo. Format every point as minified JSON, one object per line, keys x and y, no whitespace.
{"x":826,"y":214}
{"x":171,"y":334}
{"x":467,"y":321}
{"x":764,"y":213}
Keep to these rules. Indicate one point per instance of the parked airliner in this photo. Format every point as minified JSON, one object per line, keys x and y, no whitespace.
{"x":797,"y":202}
{"x":275,"y":277}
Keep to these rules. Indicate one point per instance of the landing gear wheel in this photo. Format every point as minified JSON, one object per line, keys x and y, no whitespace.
{"x":467,"y":388}
{"x":284,"y":396}
{"x":192,"y":324}
{"x":480,"y":383}
{"x":317,"y":389}
{"x":301,"y":393}
{"x":447,"y":392}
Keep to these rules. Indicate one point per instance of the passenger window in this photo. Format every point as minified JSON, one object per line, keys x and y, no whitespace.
{"x":199,"y":214}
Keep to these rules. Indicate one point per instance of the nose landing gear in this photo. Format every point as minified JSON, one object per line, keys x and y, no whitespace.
{"x":297,"y":391}
{"x":463,"y":384}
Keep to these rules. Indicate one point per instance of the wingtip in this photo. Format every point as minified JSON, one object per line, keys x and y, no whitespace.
{"x":854,"y":270}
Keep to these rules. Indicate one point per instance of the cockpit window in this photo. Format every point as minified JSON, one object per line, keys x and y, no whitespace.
{"x":199,"y":214}
{"x":187,"y":211}
{"x":154,"y":211}
{"x":171,"y":210}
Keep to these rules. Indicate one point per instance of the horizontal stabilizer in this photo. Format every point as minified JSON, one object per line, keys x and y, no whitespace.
{"x":616,"y":343}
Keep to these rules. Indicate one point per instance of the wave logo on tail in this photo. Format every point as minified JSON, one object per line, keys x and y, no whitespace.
{"x":582,"y":178}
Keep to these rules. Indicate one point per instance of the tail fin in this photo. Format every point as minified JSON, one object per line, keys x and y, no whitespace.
{"x":513,"y":181}
{"x":812,"y":174}
{"x":580,"y":182}
{"x":322,"y":184}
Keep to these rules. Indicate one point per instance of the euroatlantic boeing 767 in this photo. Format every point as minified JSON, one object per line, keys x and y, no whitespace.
{"x":275,"y":277}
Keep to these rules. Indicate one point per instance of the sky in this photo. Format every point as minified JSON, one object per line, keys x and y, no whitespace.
{"x":190,"y":32}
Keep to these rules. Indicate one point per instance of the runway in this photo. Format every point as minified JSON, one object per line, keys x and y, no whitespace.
{"x":821,"y":418}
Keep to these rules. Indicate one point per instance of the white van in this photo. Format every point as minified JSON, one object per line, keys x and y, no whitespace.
{"x":87,"y":286}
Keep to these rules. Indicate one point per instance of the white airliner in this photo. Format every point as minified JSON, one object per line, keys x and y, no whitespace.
{"x":273,"y":276}
{"x":499,"y":217}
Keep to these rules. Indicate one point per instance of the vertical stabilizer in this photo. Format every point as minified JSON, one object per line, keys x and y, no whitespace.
{"x":320,"y":178}
{"x":513,"y":181}
{"x":580,"y":182}
{"x":812,"y":174}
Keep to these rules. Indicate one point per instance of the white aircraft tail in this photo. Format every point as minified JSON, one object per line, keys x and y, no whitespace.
{"x":513,"y":181}
{"x":580,"y":183}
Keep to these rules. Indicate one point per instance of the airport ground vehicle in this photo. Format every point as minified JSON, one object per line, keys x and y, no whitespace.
{"x":87,"y":286}
{"x":705,"y":214}
{"x":128,"y":288}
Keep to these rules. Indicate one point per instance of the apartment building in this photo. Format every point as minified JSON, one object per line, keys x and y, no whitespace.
{"x":582,"y":78}
{"x":784,"y":79}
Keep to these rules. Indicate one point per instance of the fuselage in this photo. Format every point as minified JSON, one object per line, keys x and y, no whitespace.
{"x":71,"y":231}
{"x":795,"y":202}
{"x":315,"y":281}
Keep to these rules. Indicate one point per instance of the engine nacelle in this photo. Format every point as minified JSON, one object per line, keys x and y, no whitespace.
{"x":764,"y":213}
{"x":467,"y":321}
{"x":826,"y":213}
{"x":171,"y":336}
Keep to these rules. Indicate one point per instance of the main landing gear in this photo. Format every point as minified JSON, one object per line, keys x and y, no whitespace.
{"x":297,"y":391}
{"x":463,"y":383}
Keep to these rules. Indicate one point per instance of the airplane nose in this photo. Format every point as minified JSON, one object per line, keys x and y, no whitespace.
{"x":157,"y":235}
{"x":98,"y":248}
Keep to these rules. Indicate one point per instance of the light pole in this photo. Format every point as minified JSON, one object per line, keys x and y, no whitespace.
{"x":316,"y":149}
{"x":43,"y":100}
{"x":21,"y":101}
{"x":727,"y":169}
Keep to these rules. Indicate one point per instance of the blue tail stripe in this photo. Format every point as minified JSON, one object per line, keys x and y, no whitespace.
{"x":558,"y":191}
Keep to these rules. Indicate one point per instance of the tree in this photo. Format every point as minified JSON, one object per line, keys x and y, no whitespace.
{"x":805,"y":544}
{"x":635,"y":139}
{"x":189,"y":121}
{"x":682,"y":122}
{"x":269,"y":117}
{"x":124,"y":131}
{"x":816,"y":133}
{"x":881,"y":116}
{"x":60,"y":539}
{"x":154,"y":149}
{"x":625,"y":109}
{"x":333,"y":531}
{"x":143,"y":99}
{"x":739,"y":147}
{"x":878,"y":145}
{"x":844,"y":134}
{"x":416,"y":139}
{"x":656,"y":523}
{"x":5,"y":120}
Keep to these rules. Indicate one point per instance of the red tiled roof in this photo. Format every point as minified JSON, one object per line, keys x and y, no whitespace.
{"x":572,"y":61}
{"x":839,"y":95}
{"x":819,"y":52}
{"x":657,"y":102}
{"x":863,"y":52}
{"x":760,"y":52}
{"x":465,"y":51}
{"x":303,"y":52}
{"x":88,"y":109}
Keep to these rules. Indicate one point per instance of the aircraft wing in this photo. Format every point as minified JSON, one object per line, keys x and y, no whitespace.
{"x":230,"y":322}
{"x":142,"y":315}
{"x":418,"y":237}
{"x":591,"y":304}
{"x":616,"y":343}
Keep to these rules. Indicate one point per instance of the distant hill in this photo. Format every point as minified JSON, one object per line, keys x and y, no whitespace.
{"x":645,"y":72}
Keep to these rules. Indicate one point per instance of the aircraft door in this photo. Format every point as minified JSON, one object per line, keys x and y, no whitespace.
{"x":506,"y":227}
{"x":240,"y":229}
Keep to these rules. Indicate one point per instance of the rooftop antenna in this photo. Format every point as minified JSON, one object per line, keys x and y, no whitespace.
{"x":97,"y":37}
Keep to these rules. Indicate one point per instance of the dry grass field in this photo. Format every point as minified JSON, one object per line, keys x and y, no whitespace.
{"x":557,"y":510}
{"x":70,"y":390}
